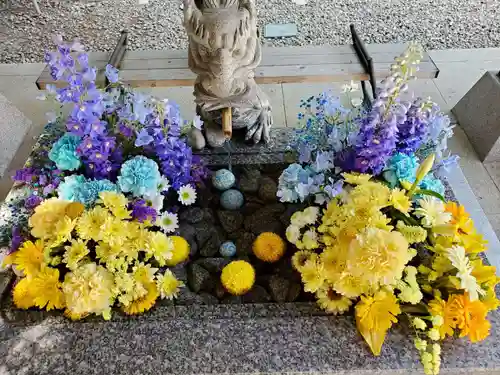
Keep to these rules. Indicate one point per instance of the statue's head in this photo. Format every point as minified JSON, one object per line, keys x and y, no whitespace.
{"x":222,"y":37}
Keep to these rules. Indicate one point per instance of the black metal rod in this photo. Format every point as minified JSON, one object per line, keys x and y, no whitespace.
{"x":119,"y":52}
{"x":365,"y":60}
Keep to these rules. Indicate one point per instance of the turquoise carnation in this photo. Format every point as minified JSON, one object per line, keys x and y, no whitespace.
{"x":66,"y":189}
{"x":78,"y":189}
{"x":63,"y":152}
{"x":401,"y":167}
{"x":139,"y":176}
{"x":431,"y":183}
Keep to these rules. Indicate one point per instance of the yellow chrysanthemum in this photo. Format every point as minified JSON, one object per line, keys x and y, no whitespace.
{"x":484,"y":274}
{"x":269,"y":247}
{"x":332,"y":302}
{"x":114,"y":231}
{"x":145,"y":302}
{"x":88,"y":290}
{"x":490,"y":300}
{"x":356,"y":178}
{"x":313,"y":275}
{"x":238,"y":277}
{"x":439,"y":307}
{"x":46,"y":289}
{"x":180,"y":251}
{"x":22,"y":294}
{"x":116,"y":203}
{"x":29,"y":258}
{"x":413,"y":234}
{"x":144,"y":273}
{"x":168,"y":285}
{"x":459,"y":217}
{"x":160,"y":247}
{"x":377,"y":256}
{"x":473,"y":242}
{"x":74,"y":253}
{"x":375,"y":315}
{"x":400,"y":201}
{"x":90,"y":224}
{"x":300,"y":258}
{"x":350,"y":286}
{"x":370,"y":195}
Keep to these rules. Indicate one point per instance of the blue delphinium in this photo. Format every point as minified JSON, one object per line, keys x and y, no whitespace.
{"x":64,"y":152}
{"x":77,"y":188}
{"x":401,"y":167}
{"x":139,"y":176}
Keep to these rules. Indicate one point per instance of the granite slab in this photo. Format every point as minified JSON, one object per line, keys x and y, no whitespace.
{"x":275,"y":339}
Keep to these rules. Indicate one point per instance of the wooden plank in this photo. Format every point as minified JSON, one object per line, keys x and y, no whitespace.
{"x":165,"y":68}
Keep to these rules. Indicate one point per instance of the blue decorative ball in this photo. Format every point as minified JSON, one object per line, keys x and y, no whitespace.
{"x":223,"y":179}
{"x":231,"y":199}
{"x":227,"y":249}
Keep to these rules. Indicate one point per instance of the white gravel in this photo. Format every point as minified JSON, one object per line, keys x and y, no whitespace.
{"x":438,"y":24}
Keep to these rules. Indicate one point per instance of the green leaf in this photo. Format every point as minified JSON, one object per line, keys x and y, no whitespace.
{"x":431,"y":193}
{"x":408,"y":220}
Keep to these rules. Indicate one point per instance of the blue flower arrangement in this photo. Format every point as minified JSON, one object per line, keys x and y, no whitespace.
{"x":139,"y":176}
{"x":64,"y":152}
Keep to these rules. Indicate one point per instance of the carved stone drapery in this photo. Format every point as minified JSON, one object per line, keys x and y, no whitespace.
{"x":224,"y":50}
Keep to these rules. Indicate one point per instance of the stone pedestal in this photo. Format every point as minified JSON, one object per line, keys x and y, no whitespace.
{"x":478,"y":113}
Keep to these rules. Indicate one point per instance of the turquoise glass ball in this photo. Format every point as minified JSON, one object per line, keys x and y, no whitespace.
{"x":227,"y":249}
{"x":231,"y":199}
{"x":223,"y":179}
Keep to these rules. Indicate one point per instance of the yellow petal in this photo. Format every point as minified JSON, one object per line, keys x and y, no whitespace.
{"x":374,"y":339}
{"x":425,"y":167}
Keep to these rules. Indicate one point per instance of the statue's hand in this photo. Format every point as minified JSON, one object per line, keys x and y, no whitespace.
{"x":261,"y":129}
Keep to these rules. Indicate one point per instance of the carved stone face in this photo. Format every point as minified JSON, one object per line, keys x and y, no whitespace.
{"x":222,"y":43}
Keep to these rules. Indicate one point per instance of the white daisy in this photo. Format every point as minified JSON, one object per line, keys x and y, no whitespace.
{"x":432,"y":212}
{"x":169,"y":222}
{"x":460,"y":261}
{"x":164,"y":184}
{"x":156,"y":200}
{"x":187,"y":195}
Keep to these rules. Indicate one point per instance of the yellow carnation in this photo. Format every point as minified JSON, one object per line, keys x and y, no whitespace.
{"x":88,"y":290}
{"x":374,"y":316}
{"x":377,"y":256}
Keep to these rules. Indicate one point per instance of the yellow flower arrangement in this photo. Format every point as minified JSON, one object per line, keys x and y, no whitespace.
{"x":104,"y":255}
{"x":238,"y":277}
{"x":366,"y":239}
{"x":269,"y":247}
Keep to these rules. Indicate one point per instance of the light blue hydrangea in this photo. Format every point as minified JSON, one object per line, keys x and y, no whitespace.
{"x":297,"y":183}
{"x":401,"y":167}
{"x":139,"y":176}
{"x":63,"y":152}
{"x":66,"y":189}
{"x":78,"y":189}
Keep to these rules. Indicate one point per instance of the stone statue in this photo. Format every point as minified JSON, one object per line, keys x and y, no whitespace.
{"x":224,"y":50}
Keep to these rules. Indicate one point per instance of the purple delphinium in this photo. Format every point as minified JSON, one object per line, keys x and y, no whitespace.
{"x":142,"y":212}
{"x":414,"y":131}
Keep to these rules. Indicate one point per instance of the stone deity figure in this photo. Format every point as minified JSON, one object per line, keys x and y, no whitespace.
{"x":224,"y":50}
